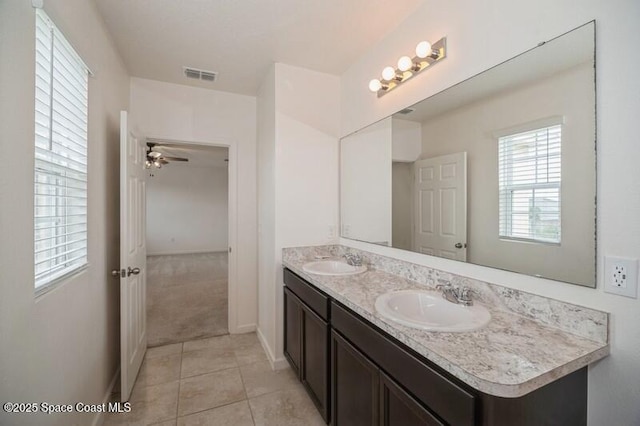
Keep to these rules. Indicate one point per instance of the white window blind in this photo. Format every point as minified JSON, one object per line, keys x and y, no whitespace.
{"x":60,"y":156}
{"x":529,"y":185}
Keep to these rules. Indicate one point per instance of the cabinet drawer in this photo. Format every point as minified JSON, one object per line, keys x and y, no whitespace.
{"x":448,"y":400}
{"x":316,"y":300}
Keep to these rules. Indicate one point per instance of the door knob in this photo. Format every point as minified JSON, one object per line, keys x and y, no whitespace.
{"x":458,"y":245}
{"x":132,"y":271}
{"x":116,"y":273}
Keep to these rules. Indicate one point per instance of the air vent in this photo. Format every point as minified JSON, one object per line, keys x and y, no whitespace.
{"x":406,"y":111}
{"x":198,"y":74}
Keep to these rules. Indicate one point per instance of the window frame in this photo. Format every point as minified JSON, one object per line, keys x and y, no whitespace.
{"x":505,"y":191}
{"x":60,"y":157}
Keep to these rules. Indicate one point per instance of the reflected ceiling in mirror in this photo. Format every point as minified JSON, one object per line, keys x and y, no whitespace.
{"x":498,"y":170}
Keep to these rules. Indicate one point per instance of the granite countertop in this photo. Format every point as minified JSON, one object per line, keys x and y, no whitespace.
{"x":510,"y":357}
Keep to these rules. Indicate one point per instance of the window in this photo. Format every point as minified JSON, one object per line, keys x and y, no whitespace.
{"x":60,"y":156}
{"x":529,"y":184}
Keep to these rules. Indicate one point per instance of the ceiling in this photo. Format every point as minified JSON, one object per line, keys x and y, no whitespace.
{"x":241,"y":39}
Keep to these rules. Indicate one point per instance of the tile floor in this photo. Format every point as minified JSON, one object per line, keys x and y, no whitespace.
{"x":186,"y":297}
{"x":223,"y":380}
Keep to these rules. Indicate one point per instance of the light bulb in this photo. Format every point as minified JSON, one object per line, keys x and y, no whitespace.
{"x":423,"y":49}
{"x":147,"y":164}
{"x":388,"y":73}
{"x":375,"y":85}
{"x":405,"y":63}
{"x":157,"y":164}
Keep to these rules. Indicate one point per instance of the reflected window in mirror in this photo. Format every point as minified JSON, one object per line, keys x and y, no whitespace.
{"x":529,"y":170}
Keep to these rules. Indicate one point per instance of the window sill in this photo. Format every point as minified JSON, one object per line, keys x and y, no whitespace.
{"x":58,"y":282}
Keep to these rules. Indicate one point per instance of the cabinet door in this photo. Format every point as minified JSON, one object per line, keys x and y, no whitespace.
{"x":315,"y":357}
{"x":398,"y":408}
{"x":293,"y":330}
{"x":355,"y":385}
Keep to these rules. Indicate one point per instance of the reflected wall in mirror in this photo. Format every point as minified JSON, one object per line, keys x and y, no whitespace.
{"x":498,"y":170}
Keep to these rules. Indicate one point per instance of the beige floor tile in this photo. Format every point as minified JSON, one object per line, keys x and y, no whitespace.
{"x":149,"y":405}
{"x":206,"y":361}
{"x":236,"y":414}
{"x":248,"y":348}
{"x":158,"y":351}
{"x":166,"y":423}
{"x":245,"y":340}
{"x":219,"y":342}
{"x":259,"y":379}
{"x":289,"y":407}
{"x":250,"y":355}
{"x":161,"y":369}
{"x":208,"y":391}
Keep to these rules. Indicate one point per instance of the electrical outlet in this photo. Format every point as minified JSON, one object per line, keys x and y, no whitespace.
{"x":621,"y":276}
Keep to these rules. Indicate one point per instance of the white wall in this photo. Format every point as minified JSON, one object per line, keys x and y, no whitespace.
{"x":402,"y":205}
{"x":187,"y":209}
{"x":482,"y":34}
{"x":63,"y":346}
{"x":172,"y":111}
{"x":266,"y":133}
{"x":365,"y":191}
{"x":472,"y":129}
{"x":407,"y":140}
{"x":298,"y":128}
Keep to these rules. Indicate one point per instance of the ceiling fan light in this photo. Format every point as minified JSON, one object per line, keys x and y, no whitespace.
{"x":155,"y":154}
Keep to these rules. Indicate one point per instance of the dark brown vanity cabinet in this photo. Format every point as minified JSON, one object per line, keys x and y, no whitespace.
{"x":306,"y":338}
{"x":355,"y":385}
{"x":363,"y":395}
{"x":359,"y":375}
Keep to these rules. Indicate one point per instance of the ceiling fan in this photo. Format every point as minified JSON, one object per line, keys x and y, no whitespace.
{"x":158,"y":159}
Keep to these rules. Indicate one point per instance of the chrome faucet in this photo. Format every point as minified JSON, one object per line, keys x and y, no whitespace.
{"x":353,"y":259}
{"x":459,"y":295}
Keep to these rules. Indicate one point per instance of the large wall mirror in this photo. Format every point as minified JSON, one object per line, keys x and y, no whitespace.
{"x":498,"y":170}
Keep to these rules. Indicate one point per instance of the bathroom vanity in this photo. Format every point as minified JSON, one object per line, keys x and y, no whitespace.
{"x":361,"y":368}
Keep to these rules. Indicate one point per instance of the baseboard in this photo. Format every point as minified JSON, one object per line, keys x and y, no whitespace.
{"x":177,"y":252}
{"x":247,"y":328}
{"x":99,"y":418}
{"x":276,"y":363}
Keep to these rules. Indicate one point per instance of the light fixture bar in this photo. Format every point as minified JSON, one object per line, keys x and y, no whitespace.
{"x":426,"y":55}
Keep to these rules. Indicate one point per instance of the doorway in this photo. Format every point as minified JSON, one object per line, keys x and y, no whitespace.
{"x":187,"y":235}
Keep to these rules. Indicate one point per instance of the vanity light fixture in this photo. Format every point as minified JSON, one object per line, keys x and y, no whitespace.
{"x":426,"y":55}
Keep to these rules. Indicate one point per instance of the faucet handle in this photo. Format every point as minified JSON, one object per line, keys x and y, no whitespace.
{"x":465,"y":294}
{"x":353,"y":259}
{"x":444,"y":286}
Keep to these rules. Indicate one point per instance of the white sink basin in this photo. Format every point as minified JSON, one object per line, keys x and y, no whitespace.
{"x":332,"y":267}
{"x":428,"y":310}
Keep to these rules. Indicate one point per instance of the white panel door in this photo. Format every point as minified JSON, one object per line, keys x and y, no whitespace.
{"x":440,"y":203}
{"x":133,"y":257}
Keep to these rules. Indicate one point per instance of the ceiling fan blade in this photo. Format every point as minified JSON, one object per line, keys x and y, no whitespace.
{"x":175,"y":158}
{"x":178,"y":145}
{"x":162,"y":161}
